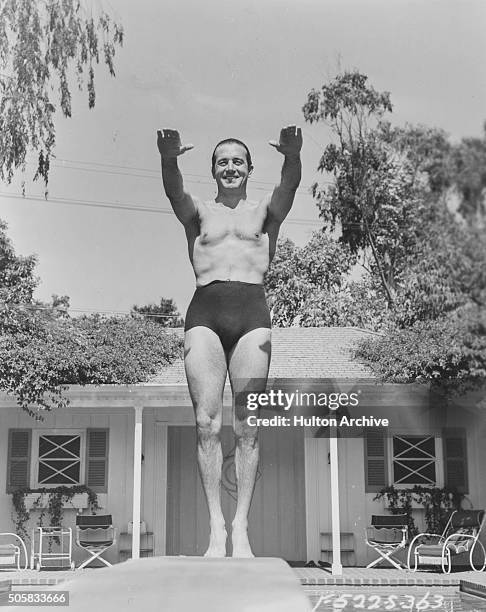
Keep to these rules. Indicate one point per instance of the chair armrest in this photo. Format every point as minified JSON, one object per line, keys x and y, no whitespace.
{"x":24,"y":548}
{"x":417,"y":537}
{"x":460,"y":536}
{"x":428,"y":535}
{"x":455,"y":540}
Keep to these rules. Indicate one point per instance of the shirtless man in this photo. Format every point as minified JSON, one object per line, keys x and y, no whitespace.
{"x":231,"y":243}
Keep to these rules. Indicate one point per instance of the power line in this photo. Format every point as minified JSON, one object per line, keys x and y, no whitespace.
{"x":202,"y":181}
{"x":151,"y":171}
{"x":120,"y":206}
{"x":90,"y":203}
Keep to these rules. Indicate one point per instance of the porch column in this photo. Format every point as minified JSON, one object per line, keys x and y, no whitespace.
{"x":336,"y":568}
{"x":137,"y":481}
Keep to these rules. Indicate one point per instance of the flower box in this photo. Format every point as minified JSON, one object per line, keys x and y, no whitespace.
{"x":415,"y":505}
{"x":79,"y":501}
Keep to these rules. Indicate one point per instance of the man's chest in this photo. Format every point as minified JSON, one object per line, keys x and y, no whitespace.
{"x":217,"y":223}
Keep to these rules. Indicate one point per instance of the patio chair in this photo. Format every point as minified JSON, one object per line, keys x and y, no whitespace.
{"x":95,"y":534}
{"x":387,"y":535}
{"x":460,"y":535}
{"x":10,"y":552}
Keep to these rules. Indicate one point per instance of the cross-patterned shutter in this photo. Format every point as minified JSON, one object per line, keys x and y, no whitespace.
{"x":18,"y":464}
{"x":375,"y":462}
{"x":455,"y":459}
{"x":97,"y":460}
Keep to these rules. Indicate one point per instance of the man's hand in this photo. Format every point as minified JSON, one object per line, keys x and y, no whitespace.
{"x":169,"y":144}
{"x":290,"y":141}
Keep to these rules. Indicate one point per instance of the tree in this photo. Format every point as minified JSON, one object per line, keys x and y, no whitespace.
{"x":390,"y":197}
{"x":309,"y":286}
{"x":444,"y":271}
{"x":37,"y":364}
{"x":165,"y":313}
{"x":428,"y":153}
{"x":17,"y":283}
{"x":42,"y":349}
{"x":384,"y":177}
{"x":469,"y":159}
{"x":449,"y":352}
{"x":41,"y":44}
{"x":352,"y":108}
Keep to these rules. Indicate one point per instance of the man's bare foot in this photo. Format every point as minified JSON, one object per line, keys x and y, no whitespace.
{"x":241,"y":544}
{"x":217,"y":541}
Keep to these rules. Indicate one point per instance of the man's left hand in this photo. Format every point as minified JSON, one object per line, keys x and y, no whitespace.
{"x":290,"y":140}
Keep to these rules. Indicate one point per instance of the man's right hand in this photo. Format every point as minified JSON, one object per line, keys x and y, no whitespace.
{"x":169,"y":144}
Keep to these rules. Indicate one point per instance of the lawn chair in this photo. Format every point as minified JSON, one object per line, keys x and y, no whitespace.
{"x":10,"y":552}
{"x":387,"y":535}
{"x":95,"y":534}
{"x":460,"y":535}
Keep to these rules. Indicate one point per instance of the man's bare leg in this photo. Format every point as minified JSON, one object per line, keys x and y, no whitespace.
{"x":249,"y":359}
{"x":205,"y":364}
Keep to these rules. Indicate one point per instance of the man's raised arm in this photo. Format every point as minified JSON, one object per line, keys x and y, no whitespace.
{"x":169,"y":145}
{"x":282,"y":198}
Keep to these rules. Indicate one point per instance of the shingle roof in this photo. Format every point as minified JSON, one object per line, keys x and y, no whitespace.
{"x":299,"y":352}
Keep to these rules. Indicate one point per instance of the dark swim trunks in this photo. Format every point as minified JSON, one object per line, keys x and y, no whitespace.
{"x":230,"y":308}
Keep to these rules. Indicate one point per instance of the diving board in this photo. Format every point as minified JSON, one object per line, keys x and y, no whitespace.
{"x":183,"y":584}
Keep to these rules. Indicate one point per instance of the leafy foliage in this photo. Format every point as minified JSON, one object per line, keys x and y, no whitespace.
{"x":450,"y":351}
{"x":437,"y":329}
{"x":57,"y":497}
{"x":436,"y":502}
{"x":309,"y":286}
{"x":42,"y":349}
{"x":41,"y":44}
{"x":36,"y":365}
{"x":373,"y":196}
{"x":427,"y":151}
{"x":350,"y":107}
{"x":469,"y":162}
{"x":165,"y":313}
{"x":390,"y":198}
{"x":17,"y":281}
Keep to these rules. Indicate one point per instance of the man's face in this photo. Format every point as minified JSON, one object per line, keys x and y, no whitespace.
{"x":231,"y":169}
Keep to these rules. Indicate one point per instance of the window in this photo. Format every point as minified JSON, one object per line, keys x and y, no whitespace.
{"x":414,"y":460}
{"x":50,"y":458}
{"x":405,"y":460}
{"x":57,"y":458}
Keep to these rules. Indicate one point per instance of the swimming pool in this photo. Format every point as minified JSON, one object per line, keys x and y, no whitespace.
{"x":411,"y":598}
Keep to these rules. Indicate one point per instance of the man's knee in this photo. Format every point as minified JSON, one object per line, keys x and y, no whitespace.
{"x":208,"y":426}
{"x":245,"y":435}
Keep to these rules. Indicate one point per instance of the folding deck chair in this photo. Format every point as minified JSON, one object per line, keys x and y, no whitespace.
{"x":10,"y":552}
{"x":460,"y":535}
{"x":387,"y":535}
{"x":95,"y":534}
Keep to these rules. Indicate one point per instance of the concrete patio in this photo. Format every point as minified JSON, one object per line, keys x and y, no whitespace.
{"x":352,"y":576}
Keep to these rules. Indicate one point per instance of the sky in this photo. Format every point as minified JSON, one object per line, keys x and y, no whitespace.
{"x":216,"y":69}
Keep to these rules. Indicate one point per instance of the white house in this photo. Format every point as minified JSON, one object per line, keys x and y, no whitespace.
{"x":135,"y":446}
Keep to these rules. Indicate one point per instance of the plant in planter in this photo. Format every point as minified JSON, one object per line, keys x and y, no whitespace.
{"x":435,"y":501}
{"x":56,"y":499}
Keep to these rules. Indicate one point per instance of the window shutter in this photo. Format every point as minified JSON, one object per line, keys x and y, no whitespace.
{"x":455,"y":459}
{"x":18,"y":464}
{"x":375,"y":462}
{"x":97,"y":460}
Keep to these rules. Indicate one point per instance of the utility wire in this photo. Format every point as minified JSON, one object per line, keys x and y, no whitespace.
{"x":151,"y":171}
{"x":140,"y":208}
{"x":120,"y":206}
{"x":201,"y":180}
